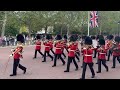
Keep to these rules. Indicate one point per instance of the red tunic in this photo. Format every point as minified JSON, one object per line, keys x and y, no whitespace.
{"x":116,"y":53}
{"x":47,"y":46}
{"x":16,"y":54}
{"x":58,"y":49}
{"x":51,"y":44}
{"x":102,"y":53}
{"x":72,"y":49}
{"x":38,"y":45}
{"x":87,"y":55}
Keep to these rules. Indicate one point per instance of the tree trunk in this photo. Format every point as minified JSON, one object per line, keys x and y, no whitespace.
{"x":4,"y":23}
{"x":46,"y":30}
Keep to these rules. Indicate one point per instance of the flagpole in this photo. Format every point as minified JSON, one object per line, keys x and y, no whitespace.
{"x":88,"y":22}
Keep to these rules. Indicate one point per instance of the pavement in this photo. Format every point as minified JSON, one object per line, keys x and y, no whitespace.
{"x":36,"y":69}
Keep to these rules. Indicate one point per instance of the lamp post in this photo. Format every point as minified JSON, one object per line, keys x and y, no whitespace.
{"x":118,"y":27}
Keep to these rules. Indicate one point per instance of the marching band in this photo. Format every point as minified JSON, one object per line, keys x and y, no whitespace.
{"x":90,"y":47}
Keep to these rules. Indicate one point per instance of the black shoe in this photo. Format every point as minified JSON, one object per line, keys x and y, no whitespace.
{"x":96,"y":63}
{"x":13,"y":75}
{"x":43,"y":61}
{"x":24,"y":71}
{"x":112,"y":67}
{"x":76,"y":69}
{"x":34,"y":57}
{"x":98,"y":72}
{"x":93,"y":76}
{"x":78,"y":60}
{"x":107,"y":70}
{"x":64,"y":63}
{"x":108,"y":60}
{"x":52,"y":59}
{"x":82,"y":78}
{"x":54,"y":66}
{"x":64,"y":57}
{"x":66,"y":71}
{"x":94,"y":57}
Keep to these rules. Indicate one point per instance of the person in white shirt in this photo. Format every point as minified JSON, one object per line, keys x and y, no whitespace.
{"x":95,"y":44}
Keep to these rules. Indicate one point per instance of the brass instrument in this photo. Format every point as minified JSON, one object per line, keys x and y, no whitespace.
{"x":115,"y":48}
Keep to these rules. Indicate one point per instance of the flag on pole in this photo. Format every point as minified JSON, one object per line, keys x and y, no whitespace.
{"x":93,"y":19}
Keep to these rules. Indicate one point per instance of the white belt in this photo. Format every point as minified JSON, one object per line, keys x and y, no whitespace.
{"x":58,"y":48}
{"x":47,"y":46}
{"x":72,"y":50}
{"x":38,"y":45}
{"x":102,"y":53}
{"x":88,"y":55}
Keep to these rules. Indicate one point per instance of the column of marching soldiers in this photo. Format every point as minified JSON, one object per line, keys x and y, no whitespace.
{"x":102,"y":48}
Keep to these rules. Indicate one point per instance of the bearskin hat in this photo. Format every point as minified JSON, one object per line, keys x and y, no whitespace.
{"x":100,"y":37}
{"x":117,"y":39}
{"x":73,"y":38}
{"x":59,"y":37}
{"x":93,"y":37}
{"x":47,"y":36}
{"x":38,"y":37}
{"x":102,"y":42}
{"x":20,"y":38}
{"x":83,"y":37}
{"x":110,"y":37}
{"x":88,"y":40}
{"x":65,"y":36}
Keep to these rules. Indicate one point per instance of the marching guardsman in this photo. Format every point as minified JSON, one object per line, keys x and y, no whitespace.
{"x":58,"y":50}
{"x":87,"y":52}
{"x":102,"y":55}
{"x":47,"y":48}
{"x":95,"y":44}
{"x":98,"y":38}
{"x":71,"y":54}
{"x":51,"y":44}
{"x":109,"y":45}
{"x":116,"y":51}
{"x":38,"y":46}
{"x":17,"y":54}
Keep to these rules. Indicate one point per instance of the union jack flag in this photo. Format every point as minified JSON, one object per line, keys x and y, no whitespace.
{"x":93,"y":19}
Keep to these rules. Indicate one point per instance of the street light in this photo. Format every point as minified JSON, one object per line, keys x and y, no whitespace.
{"x":118,"y":27}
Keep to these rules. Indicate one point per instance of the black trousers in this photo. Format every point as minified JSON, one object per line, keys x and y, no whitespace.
{"x":36,"y":53}
{"x":52,"y":50}
{"x":78,"y":53}
{"x":17,"y":64}
{"x":84,"y":69}
{"x":99,"y":64}
{"x":82,"y":61}
{"x":109,"y":53}
{"x":55,"y":59}
{"x":114,"y":60}
{"x":95,"y":52}
{"x":70,"y":59}
{"x":63,"y":54}
{"x":66,"y":49}
{"x":47,"y":52}
{"x":77,"y":57}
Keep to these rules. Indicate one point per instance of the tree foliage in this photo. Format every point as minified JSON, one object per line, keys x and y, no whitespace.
{"x":74,"y":22}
